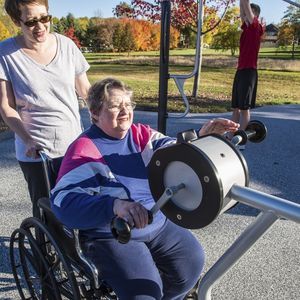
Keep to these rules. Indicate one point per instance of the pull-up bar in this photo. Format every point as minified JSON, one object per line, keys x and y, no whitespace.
{"x":292,"y":2}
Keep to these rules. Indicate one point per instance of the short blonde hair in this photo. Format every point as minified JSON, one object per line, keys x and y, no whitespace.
{"x":99,"y":92}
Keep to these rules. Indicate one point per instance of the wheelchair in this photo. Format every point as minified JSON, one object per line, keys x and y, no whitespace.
{"x":47,"y":260}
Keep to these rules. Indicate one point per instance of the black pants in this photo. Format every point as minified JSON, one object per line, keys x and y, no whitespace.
{"x":244,"y":89}
{"x":34,"y":176}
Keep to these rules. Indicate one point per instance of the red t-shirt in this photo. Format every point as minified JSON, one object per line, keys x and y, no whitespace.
{"x":249,"y":44}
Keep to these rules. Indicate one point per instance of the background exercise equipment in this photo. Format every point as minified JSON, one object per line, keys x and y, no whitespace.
{"x":255,"y":132}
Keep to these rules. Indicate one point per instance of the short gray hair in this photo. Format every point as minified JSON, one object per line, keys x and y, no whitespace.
{"x":99,"y":93}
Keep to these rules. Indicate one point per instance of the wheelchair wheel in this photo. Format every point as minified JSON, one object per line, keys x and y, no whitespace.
{"x":39,"y":267}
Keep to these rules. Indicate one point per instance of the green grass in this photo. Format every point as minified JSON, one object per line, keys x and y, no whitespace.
{"x":279,"y":78}
{"x":140,"y":70}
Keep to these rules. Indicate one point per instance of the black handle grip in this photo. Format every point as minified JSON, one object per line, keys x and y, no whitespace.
{"x":121,"y":229}
{"x":255,"y":132}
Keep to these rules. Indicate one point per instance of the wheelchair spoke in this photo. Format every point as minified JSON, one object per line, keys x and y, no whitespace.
{"x":43,"y":271}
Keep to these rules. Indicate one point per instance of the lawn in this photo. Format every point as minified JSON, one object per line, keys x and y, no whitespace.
{"x":279,"y":79}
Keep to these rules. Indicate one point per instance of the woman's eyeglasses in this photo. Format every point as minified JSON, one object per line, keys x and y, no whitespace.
{"x":116,"y":108}
{"x":33,"y":22}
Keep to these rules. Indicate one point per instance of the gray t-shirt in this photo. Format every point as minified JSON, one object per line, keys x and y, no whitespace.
{"x":45,"y":95}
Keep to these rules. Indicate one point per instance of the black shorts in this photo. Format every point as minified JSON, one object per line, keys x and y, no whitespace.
{"x":244,"y":89}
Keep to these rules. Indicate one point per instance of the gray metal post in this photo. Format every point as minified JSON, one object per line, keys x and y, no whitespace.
{"x":164,"y":64}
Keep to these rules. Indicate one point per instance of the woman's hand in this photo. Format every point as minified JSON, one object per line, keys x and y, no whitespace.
{"x":32,"y":148}
{"x":219,"y":126}
{"x":134,"y":213}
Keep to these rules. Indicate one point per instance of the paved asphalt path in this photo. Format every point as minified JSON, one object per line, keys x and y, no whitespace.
{"x":269,"y":271}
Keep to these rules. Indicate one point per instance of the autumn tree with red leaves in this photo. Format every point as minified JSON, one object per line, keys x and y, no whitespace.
{"x":70,"y":33}
{"x":183,"y":12}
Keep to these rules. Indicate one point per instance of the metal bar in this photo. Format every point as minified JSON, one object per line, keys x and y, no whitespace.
{"x":45,"y":160}
{"x":166,"y":196}
{"x":86,"y":260}
{"x":243,"y":243}
{"x":281,"y":207}
{"x":164,"y":64}
{"x":292,"y":2}
{"x":198,"y":60}
{"x":181,"y":78}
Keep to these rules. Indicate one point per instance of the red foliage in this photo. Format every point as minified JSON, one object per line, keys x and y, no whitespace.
{"x":70,"y":33}
{"x":183,"y":12}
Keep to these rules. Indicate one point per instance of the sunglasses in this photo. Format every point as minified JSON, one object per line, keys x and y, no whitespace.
{"x":33,"y":22}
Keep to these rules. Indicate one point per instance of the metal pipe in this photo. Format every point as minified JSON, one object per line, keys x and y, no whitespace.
{"x":292,"y":2}
{"x":164,"y":65}
{"x":281,"y":207}
{"x":181,"y":78}
{"x":198,"y":60}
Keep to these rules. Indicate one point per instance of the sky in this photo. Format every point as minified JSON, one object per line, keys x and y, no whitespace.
{"x":271,"y":10}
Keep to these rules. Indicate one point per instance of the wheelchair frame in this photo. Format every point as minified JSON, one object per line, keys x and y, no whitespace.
{"x":47,"y":259}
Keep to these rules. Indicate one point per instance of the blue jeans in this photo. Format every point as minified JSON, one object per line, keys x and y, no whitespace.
{"x":166,"y":266}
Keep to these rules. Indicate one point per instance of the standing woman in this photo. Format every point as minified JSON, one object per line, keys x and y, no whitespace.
{"x":40,"y":74}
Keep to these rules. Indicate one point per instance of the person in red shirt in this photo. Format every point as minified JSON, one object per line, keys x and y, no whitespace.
{"x":245,"y":80}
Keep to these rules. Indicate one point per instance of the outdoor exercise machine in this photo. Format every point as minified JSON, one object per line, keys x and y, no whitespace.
{"x":191,"y":185}
{"x":201,"y":197}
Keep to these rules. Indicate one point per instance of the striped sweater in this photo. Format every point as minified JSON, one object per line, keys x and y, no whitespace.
{"x":96,"y":170}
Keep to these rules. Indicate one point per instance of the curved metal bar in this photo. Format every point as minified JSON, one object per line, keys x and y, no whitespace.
{"x":292,"y":2}
{"x":219,"y":21}
{"x":88,"y":263}
{"x":180,"y":79}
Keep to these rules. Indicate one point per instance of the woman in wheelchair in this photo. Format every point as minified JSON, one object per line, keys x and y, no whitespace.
{"x":104,"y":174}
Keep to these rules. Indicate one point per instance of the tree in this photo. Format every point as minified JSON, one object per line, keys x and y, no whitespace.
{"x":58,"y":26}
{"x":70,"y":33}
{"x":285,"y":35}
{"x":123,"y":10}
{"x":228,"y":36}
{"x":4,"y":33}
{"x":2,"y":10}
{"x":117,"y":37}
{"x":289,"y":30}
{"x":81,"y":29}
{"x":98,"y":35}
{"x":6,"y":23}
{"x":127,"y":38}
{"x":184,"y":12}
